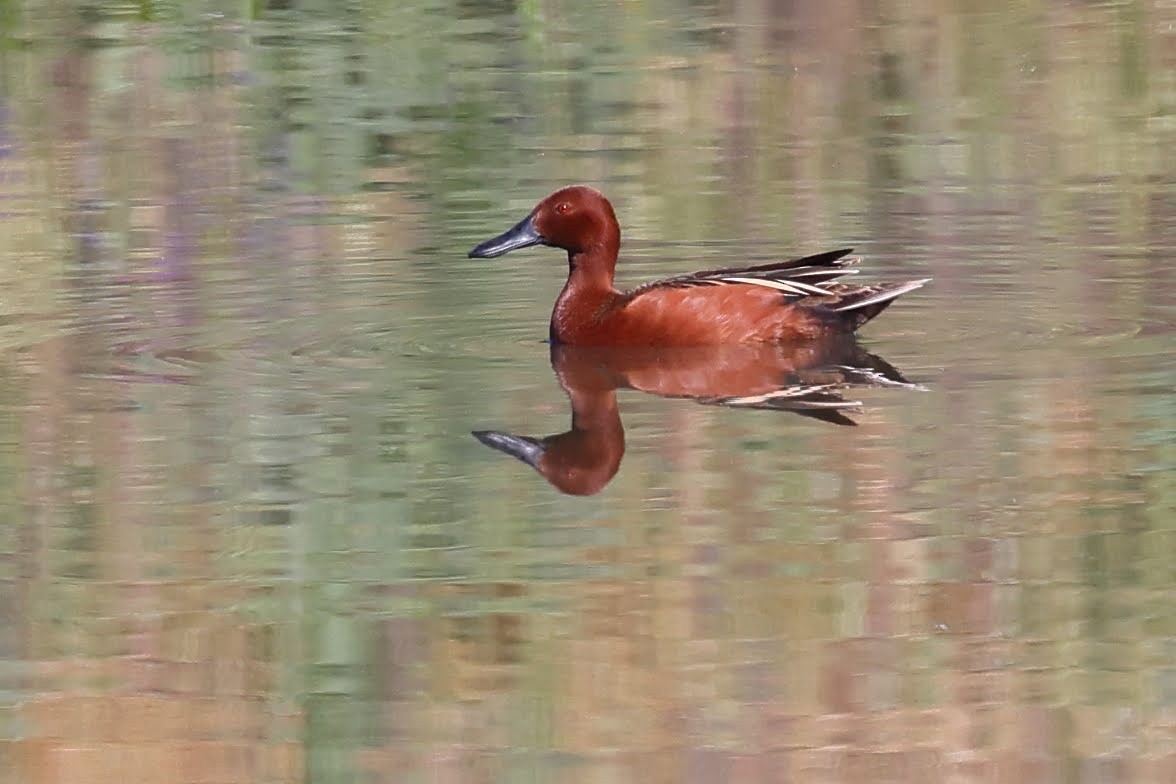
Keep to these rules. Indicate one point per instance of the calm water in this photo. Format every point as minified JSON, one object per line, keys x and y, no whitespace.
{"x":248,"y":537}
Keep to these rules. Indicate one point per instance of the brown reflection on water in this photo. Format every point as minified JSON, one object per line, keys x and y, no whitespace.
{"x":135,"y":665}
{"x":808,"y":378}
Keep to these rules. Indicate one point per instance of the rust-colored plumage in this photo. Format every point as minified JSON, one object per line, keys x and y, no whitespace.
{"x":770,"y":303}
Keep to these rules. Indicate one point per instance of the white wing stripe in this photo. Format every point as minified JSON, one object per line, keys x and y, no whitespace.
{"x":790,"y":286}
{"x":829,"y":273}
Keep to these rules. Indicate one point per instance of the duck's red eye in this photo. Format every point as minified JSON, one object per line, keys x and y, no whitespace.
{"x":563,"y":208}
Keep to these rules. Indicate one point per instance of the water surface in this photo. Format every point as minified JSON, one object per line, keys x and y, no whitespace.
{"x":247,"y":535}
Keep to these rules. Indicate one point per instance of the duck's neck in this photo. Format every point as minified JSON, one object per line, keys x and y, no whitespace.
{"x":592,"y":270}
{"x":589,"y":288}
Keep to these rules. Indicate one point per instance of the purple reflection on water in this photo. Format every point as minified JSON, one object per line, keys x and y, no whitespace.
{"x":5,"y":140}
{"x":180,"y":219}
{"x":7,"y":150}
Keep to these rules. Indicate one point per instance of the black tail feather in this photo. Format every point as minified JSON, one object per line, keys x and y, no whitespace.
{"x":858,"y":307}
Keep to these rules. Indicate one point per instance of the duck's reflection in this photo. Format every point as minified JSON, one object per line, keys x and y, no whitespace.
{"x":810,"y":379}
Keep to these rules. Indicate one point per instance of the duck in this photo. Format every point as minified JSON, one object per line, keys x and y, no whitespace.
{"x":803,"y":298}
{"x":809,"y":378}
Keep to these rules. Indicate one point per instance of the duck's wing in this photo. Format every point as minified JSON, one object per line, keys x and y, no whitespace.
{"x":815,"y":280}
{"x":803,"y":277}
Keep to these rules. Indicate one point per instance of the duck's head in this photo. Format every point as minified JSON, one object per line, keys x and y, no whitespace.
{"x":576,"y":218}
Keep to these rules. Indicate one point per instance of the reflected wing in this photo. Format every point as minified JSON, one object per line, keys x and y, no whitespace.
{"x":823,"y":402}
